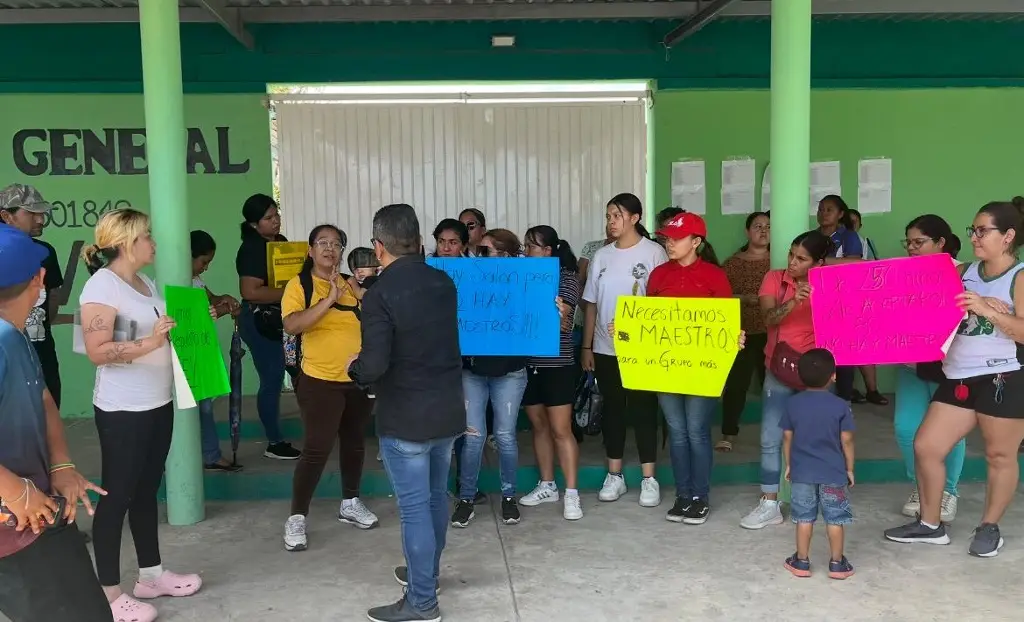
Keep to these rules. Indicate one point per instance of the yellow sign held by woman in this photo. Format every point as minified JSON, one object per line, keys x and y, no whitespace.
{"x":284,"y":262}
{"x":676,"y":345}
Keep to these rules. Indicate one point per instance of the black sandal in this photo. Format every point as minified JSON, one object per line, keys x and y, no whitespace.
{"x":856,"y":397}
{"x":876,"y":398}
{"x":234,"y":467}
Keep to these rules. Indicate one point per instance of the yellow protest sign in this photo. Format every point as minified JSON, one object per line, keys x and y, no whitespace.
{"x":676,"y":345}
{"x":284,"y":261}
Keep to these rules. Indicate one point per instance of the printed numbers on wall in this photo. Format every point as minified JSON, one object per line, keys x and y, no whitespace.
{"x":74,"y":215}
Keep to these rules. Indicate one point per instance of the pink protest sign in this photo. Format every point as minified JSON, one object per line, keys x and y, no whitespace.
{"x":886,"y":312}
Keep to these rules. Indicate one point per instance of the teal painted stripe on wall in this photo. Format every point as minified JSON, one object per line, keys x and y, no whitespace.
{"x":726,"y":54}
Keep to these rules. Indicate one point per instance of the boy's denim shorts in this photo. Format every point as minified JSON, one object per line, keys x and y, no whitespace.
{"x":831,"y":498}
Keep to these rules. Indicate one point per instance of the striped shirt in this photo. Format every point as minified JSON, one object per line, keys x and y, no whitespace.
{"x":569,"y":289}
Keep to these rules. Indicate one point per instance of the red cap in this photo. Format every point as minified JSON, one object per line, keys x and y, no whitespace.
{"x":684,"y":225}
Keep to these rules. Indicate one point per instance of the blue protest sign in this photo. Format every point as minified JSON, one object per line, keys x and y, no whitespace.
{"x":506,"y":305}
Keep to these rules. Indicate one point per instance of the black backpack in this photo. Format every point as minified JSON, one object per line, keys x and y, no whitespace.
{"x":293,"y":343}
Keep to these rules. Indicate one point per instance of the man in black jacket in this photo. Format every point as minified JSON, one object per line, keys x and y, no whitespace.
{"x":410,"y":359}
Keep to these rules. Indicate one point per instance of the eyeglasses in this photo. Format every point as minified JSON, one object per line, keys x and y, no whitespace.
{"x":761,"y":228}
{"x":325,"y":245}
{"x":979,"y":232}
{"x":915,"y":243}
{"x":472,"y":225}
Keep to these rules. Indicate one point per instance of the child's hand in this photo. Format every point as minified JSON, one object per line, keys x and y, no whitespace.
{"x":849,"y":478}
{"x":787,"y":474}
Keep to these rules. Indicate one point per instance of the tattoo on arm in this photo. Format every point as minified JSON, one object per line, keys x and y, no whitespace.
{"x":97,"y":324}
{"x":775,"y":314}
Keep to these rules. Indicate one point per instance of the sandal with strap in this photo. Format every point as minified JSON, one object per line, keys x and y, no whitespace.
{"x":169,"y":584}
{"x":723,"y":446}
{"x":127,"y":609}
{"x":876,"y":398}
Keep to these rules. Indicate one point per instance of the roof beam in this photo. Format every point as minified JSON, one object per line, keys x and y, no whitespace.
{"x":461,"y":10}
{"x":695,"y":22}
{"x":230,"y":19}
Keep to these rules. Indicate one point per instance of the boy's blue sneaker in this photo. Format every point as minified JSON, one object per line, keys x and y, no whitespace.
{"x":799,"y":567}
{"x":841,"y":569}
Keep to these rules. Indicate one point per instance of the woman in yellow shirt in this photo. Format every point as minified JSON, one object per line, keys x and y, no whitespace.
{"x":321,"y":307}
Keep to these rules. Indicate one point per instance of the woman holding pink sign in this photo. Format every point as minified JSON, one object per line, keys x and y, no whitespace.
{"x":785,"y":303}
{"x":984,"y":385}
{"x":915,"y":384}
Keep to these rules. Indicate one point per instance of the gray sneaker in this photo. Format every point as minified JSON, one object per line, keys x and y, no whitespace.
{"x":987,"y":541}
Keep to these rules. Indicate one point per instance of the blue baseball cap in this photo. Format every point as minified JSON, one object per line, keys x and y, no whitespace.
{"x":20,"y":257}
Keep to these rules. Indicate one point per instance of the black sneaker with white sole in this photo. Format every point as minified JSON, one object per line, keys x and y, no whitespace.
{"x":697,"y":513}
{"x":402,"y":576}
{"x":510,"y":511}
{"x":987,"y":541}
{"x":915,"y":532}
{"x":463,"y":513}
{"x":282,"y":451}
{"x":679,"y":510}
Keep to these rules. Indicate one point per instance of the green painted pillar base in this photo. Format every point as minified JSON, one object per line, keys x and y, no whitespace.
{"x":168,"y":209}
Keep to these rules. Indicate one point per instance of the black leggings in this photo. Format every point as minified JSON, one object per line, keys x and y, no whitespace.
{"x":642,"y":407}
{"x":749,"y":360}
{"x":52,"y":580}
{"x":134,"y":447}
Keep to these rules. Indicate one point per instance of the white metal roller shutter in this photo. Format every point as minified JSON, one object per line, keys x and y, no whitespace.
{"x":522,"y":164}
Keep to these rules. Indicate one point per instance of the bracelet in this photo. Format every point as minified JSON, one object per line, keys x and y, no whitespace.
{"x":23,"y":495}
{"x":61,"y":467}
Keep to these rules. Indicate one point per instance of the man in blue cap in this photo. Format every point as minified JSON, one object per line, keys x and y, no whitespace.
{"x":45,"y":570}
{"x":24,"y":208}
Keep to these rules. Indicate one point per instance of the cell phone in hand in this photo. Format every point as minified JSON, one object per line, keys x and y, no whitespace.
{"x":8,"y":519}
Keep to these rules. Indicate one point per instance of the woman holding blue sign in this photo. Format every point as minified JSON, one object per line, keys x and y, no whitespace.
{"x":551,"y":386}
{"x":621,"y":269}
{"x":691,"y":272}
{"x":500,"y":380}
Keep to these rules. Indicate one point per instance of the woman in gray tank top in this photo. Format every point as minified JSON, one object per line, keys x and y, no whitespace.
{"x":984,"y":384}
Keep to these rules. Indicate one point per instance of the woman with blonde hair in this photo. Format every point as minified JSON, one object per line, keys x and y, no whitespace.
{"x":125,"y":330}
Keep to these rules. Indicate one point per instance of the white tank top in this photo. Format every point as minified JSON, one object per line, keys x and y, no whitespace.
{"x":979,"y":347}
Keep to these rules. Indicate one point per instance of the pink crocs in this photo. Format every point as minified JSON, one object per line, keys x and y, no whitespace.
{"x":127,"y":609}
{"x":169,"y":584}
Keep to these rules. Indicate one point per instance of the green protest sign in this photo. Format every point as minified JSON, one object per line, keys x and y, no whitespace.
{"x":194,"y":338}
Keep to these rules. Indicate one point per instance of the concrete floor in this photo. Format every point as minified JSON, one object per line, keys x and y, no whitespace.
{"x":620,"y":563}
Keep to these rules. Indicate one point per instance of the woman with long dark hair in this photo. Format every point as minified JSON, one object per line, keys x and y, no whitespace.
{"x":621,"y":269}
{"x":746,"y":270}
{"x":785,"y":302}
{"x":476,"y":226}
{"x":321,"y":308}
{"x":551,"y":386}
{"x":915,"y":384}
{"x":262,"y":225}
{"x":500,"y":381}
{"x":984,"y":385}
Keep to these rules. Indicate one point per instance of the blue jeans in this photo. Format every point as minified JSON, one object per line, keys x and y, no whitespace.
{"x":208,"y":430}
{"x":912,"y":398}
{"x":689,"y":429}
{"x":419,"y":475}
{"x":268,"y":357}
{"x":505,"y":394}
{"x":832,"y":499}
{"x":774,"y":396}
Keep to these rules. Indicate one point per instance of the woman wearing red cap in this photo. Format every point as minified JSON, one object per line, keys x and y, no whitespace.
{"x":692,"y":271}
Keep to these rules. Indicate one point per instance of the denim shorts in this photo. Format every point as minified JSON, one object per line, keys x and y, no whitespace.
{"x":831,"y":498}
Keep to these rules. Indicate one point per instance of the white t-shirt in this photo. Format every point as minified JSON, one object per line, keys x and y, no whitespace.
{"x":198,"y":282}
{"x":618,"y":272}
{"x":144,"y":383}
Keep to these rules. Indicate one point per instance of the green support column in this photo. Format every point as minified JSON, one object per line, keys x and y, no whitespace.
{"x":791,"y":133}
{"x":790,"y":124}
{"x":168,"y":201}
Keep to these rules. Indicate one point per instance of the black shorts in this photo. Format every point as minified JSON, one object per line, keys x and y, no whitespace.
{"x":995,"y":395}
{"x":551,"y":386}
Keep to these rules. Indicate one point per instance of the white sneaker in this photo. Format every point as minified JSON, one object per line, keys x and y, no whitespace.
{"x":572,"y":509}
{"x":295,"y":533}
{"x":614,"y":487}
{"x":766,"y":513}
{"x":949,"y":503}
{"x":543,"y":493}
{"x":650,"y":493}
{"x":356,"y":513}
{"x":913,"y":505}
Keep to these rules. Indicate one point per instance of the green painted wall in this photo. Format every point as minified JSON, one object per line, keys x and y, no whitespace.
{"x":953,"y":150}
{"x":863,"y":53}
{"x":215,"y":196}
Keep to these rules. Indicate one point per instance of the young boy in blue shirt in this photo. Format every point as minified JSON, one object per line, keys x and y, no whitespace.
{"x":818,"y":448}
